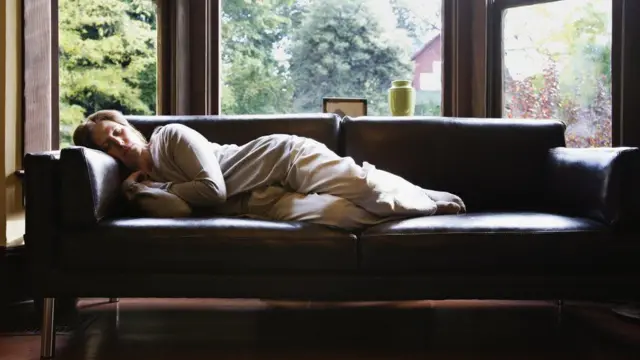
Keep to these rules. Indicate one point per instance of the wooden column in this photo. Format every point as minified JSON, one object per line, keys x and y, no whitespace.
{"x":464,"y":58}
{"x":40,"y":64}
{"x":188,"y":57}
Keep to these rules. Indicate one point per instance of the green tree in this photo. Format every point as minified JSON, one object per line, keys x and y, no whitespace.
{"x":347,"y":48}
{"x":421,"y":19}
{"x":107,"y":59}
{"x":253,"y":79}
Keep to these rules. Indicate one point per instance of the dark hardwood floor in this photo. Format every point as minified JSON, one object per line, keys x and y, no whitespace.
{"x":254,"y":329}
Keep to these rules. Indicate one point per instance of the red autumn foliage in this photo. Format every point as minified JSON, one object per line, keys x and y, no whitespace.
{"x":588,"y":123}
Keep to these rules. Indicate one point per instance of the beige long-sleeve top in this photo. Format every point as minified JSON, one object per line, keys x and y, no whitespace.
{"x":204,"y":173}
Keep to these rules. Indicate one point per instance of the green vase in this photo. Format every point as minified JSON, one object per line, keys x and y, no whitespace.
{"x":402,"y":98}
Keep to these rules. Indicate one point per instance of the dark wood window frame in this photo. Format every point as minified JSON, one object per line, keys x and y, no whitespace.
{"x":625,"y":76}
{"x":188,"y":57}
{"x":464,"y":58}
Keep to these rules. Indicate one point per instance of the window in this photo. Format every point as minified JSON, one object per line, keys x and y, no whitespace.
{"x":107,"y":59}
{"x":284,"y":56}
{"x":556,"y":63}
{"x":265,"y":67}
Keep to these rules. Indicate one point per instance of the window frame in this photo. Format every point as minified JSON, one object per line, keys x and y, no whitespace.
{"x":188,"y":62}
{"x":495,"y":52}
{"x":464,"y":58}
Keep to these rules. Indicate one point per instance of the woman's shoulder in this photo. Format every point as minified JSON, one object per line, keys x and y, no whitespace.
{"x":172,"y":128}
{"x":174,"y":132}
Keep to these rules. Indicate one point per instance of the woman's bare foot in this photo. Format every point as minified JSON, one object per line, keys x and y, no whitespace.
{"x":445,"y":197}
{"x":447,"y":208}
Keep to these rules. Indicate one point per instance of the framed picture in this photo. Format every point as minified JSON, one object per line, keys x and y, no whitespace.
{"x":353,"y":107}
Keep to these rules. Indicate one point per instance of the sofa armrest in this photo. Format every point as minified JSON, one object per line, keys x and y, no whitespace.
{"x":90,"y":189}
{"x":598,"y":183}
{"x":42,"y":215}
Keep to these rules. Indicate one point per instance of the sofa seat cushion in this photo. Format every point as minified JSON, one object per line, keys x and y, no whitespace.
{"x":207,"y":245}
{"x":498,"y":242}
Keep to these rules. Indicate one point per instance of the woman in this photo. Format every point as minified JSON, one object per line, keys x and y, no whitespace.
{"x":281,"y":177}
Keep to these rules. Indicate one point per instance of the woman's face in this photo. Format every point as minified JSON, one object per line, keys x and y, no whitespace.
{"x":119,"y":141}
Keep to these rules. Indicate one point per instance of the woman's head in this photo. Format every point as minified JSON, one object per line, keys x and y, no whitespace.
{"x":109,"y":131}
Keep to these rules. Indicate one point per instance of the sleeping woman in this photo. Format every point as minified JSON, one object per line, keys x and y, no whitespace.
{"x":277,"y":177}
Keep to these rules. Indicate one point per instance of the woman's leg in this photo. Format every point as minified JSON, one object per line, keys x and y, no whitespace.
{"x":276,"y":203}
{"x":317,"y":169}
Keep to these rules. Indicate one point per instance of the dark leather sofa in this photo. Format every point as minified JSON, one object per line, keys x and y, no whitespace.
{"x":544,"y":221}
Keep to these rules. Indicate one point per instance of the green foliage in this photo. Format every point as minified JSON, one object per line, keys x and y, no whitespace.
{"x":253,"y":80}
{"x":575,"y":86}
{"x":270,"y":48}
{"x":347,"y":49}
{"x":107,"y":59}
{"x":285,"y":55}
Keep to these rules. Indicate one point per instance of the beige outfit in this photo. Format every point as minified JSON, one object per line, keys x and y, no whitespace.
{"x":280,"y":177}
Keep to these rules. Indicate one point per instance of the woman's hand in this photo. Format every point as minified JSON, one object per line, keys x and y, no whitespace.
{"x":141,"y":178}
{"x":153,"y":184}
{"x":137,"y":176}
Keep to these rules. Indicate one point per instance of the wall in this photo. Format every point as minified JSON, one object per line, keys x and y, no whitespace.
{"x":424,"y":61}
{"x":11,"y":211}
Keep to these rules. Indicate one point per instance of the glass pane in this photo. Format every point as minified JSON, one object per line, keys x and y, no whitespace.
{"x":107,"y":59}
{"x":557,"y":64}
{"x":283,"y":56}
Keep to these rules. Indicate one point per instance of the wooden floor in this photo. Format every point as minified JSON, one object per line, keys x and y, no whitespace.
{"x":252,"y":329}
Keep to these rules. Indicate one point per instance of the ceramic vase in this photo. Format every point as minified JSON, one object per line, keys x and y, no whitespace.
{"x":402,"y":98}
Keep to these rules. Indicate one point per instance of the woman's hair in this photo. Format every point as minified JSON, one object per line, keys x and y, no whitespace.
{"x":82,"y":136}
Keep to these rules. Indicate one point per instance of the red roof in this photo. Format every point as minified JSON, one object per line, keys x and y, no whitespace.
{"x":426,"y":46}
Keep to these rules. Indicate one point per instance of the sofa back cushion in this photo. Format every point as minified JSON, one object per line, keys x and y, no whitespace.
{"x":493,"y":164}
{"x":240,"y":129}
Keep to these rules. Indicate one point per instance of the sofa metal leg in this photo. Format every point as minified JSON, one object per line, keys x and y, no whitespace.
{"x":559,"y":310}
{"x":117,"y":317}
{"x":559,"y":304}
{"x":114,"y":300}
{"x":48,"y":335}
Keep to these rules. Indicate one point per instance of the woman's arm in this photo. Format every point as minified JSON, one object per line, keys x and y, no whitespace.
{"x":194,"y":155}
{"x":154,"y":201}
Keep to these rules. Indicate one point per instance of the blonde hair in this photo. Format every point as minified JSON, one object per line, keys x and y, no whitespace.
{"x":82,"y":135}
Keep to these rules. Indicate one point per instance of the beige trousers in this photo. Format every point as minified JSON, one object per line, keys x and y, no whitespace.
{"x":323,"y":187}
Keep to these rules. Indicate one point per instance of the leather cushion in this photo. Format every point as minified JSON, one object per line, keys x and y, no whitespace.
{"x":599,"y":183}
{"x":240,"y":129}
{"x":501,"y":243}
{"x":493,"y":164}
{"x":207,"y":244}
{"x":89,"y":186}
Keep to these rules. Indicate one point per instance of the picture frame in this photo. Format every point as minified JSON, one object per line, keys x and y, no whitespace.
{"x":345,"y":106}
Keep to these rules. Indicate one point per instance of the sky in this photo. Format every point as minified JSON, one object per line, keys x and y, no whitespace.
{"x":526,"y":27}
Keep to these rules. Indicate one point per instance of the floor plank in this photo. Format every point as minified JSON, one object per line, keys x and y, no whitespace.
{"x":255,"y":329}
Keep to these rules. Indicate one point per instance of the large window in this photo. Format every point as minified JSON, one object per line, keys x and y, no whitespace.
{"x":107,"y":59}
{"x":556,"y":63}
{"x":284,"y":56}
